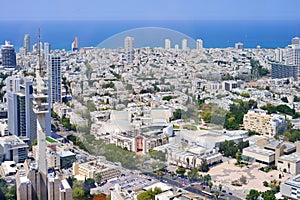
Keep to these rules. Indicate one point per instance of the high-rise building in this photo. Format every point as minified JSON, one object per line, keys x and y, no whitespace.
{"x":176,"y":47}
{"x":21,"y":117}
{"x":167,"y":44}
{"x":54,"y":70}
{"x":239,"y":45}
{"x":26,"y":43}
{"x":284,"y":71}
{"x":293,"y":56}
{"x":75,"y":44}
{"x":296,"y":41}
{"x":47,"y":48}
{"x":278,"y":55}
{"x":129,"y":48}
{"x":184,"y":44}
{"x":8,"y":55}
{"x":199,"y":44}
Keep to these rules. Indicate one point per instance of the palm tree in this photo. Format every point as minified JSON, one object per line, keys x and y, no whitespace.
{"x":217,"y":194}
{"x":220,"y":186}
{"x":210,"y":184}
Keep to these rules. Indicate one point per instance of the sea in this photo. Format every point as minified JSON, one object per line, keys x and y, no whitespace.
{"x":215,"y":34}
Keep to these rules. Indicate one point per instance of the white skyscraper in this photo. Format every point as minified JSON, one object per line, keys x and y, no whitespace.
{"x":54,"y":70}
{"x":199,"y":44}
{"x":47,"y":48}
{"x":184,"y":45}
{"x":176,"y":47}
{"x":129,"y":48}
{"x":27,"y":43}
{"x":167,"y":44}
{"x":293,"y":56}
{"x":278,"y":55}
{"x":21,"y":117}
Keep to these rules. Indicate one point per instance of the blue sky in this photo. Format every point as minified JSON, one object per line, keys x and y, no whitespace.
{"x":150,"y":10}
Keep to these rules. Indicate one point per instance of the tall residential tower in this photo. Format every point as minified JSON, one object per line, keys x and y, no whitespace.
{"x":54,"y":70}
{"x":129,"y":48}
{"x":26,"y":43}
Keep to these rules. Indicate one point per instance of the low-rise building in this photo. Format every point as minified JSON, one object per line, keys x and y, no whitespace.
{"x":259,"y":154}
{"x":96,"y":168}
{"x":13,"y":149}
{"x":289,"y":163}
{"x":291,"y":188}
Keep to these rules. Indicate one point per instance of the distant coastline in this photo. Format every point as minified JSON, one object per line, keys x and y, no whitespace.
{"x":60,"y":34}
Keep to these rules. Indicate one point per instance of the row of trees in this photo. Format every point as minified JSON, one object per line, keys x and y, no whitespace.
{"x":283,"y":109}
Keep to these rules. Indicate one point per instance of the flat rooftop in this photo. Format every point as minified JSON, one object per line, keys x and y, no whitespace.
{"x":259,"y":150}
{"x":294,"y":157}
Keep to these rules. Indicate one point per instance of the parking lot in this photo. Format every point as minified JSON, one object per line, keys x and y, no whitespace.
{"x":129,"y":182}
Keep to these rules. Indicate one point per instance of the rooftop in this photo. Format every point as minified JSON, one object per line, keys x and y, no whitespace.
{"x":294,"y":157}
{"x":259,"y":150}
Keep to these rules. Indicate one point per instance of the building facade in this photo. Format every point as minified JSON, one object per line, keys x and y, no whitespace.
{"x":284,"y":71}
{"x":8,"y":55}
{"x":26,"y":44}
{"x":291,"y":188}
{"x":293,"y":56}
{"x":259,"y":121}
{"x":167,"y":44}
{"x":96,"y":168}
{"x":129,"y":49}
{"x":199,"y":44}
{"x":21,"y":117}
{"x":54,"y":69}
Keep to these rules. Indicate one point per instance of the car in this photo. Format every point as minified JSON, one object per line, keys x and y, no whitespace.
{"x":229,"y":193}
{"x":224,"y":191}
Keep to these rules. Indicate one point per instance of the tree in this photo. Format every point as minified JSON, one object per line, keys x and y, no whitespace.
{"x":210,"y":184}
{"x":98,"y":178}
{"x":238,"y":157}
{"x":207,"y":178}
{"x":158,"y":155}
{"x":268,"y":195}
{"x":217,"y":194}
{"x":253,"y":195}
{"x":177,"y":114}
{"x":78,"y":193}
{"x":11,"y":193}
{"x":204,"y":167}
{"x":149,"y":194}
{"x":220,"y":187}
{"x":181,"y":171}
{"x":87,"y":185}
{"x":193,"y":174}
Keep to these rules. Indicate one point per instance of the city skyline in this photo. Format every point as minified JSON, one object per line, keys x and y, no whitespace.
{"x":152,"y":10}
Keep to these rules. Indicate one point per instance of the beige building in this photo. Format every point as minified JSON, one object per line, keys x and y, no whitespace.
{"x":259,"y":121}
{"x":97,"y":167}
{"x":285,"y":155}
{"x":260,"y":154}
{"x":289,"y":163}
